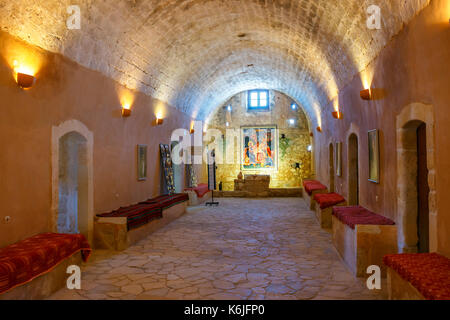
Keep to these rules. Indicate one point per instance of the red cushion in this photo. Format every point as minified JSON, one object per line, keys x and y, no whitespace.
{"x":326,"y":200}
{"x":429,"y":273}
{"x":352,"y":216}
{"x":313,"y":185}
{"x":25,"y":260}
{"x":200,"y":190}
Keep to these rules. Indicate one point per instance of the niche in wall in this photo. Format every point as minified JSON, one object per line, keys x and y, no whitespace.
{"x":73,"y":184}
{"x":72,"y":179}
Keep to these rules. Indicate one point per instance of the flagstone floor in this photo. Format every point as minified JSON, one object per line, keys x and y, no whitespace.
{"x":243,"y":249}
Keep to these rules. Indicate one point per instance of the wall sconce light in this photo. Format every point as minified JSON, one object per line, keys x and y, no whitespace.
{"x":192,"y":131}
{"x":227,"y":124}
{"x":25,"y":79}
{"x":319,"y":129}
{"x":291,"y":122}
{"x":294,"y":106}
{"x":366,"y":94}
{"x":309,"y":148}
{"x":337,"y":114}
{"x":159,"y":121}
{"x":229,"y":108}
{"x":126,"y":111}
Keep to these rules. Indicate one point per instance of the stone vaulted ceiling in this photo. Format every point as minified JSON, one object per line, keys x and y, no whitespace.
{"x":195,"y":54}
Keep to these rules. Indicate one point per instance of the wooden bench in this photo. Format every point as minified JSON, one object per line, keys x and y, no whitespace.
{"x":119,"y":229}
{"x":362,"y":238}
{"x":36,"y":267}
{"x":312,"y":187}
{"x":325,"y":203}
{"x":199,"y":194}
{"x":421,"y":276}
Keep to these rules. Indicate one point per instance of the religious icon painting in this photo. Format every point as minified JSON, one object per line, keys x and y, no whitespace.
{"x":259,"y":148}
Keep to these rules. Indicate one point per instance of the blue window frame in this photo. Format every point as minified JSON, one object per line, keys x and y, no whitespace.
{"x":258,"y":100}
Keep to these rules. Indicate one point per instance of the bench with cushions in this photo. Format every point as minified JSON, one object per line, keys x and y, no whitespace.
{"x":198,"y":194}
{"x":324,"y":205}
{"x":313,"y":187}
{"x":362,"y":238}
{"x":119,"y":229}
{"x":36,"y":267}
{"x":418,"y":276}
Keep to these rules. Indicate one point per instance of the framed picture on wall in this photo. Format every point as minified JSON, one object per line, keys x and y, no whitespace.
{"x":339,"y":159}
{"x":259,"y":149}
{"x":374,"y":156}
{"x":142,"y":162}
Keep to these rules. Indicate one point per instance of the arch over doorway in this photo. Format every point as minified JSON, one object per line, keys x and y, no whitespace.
{"x":415,"y":130}
{"x":72,"y":179}
{"x":331,"y":171}
{"x":353,"y":169}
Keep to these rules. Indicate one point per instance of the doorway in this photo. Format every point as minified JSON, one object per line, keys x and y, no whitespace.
{"x":423,"y":190}
{"x":72,"y":214}
{"x":331,"y":167}
{"x":353,"y":170}
{"x":417,"y":191}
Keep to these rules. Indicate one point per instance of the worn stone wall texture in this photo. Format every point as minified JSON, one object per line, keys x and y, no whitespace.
{"x":195,"y":54}
{"x":280,"y":112}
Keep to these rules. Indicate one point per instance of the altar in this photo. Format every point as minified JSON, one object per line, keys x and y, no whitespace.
{"x":254,"y":184}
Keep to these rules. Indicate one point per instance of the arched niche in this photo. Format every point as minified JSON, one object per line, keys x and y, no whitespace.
{"x":353,"y":169}
{"x":411,"y":119}
{"x":353,"y":164}
{"x":331,"y":167}
{"x":72,"y":179}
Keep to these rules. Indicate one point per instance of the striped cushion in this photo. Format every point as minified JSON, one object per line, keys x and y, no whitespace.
{"x":137,"y":215}
{"x":25,"y":260}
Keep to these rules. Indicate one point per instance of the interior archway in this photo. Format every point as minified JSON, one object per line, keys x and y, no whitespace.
{"x":416,"y":214}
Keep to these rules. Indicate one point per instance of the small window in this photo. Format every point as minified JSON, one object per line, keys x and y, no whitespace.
{"x":258,"y":100}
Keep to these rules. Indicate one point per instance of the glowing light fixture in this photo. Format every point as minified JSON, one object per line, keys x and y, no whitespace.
{"x":292,"y":121}
{"x":294,"y":106}
{"x":337,"y":114}
{"x":366,"y":94}
{"x":159,"y":118}
{"x":24,"y":76}
{"x":126,"y":111}
{"x":227,"y":124}
{"x":229,"y":108}
{"x":309,"y":148}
